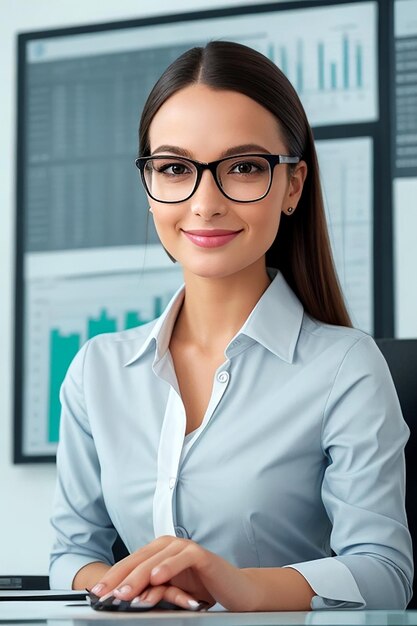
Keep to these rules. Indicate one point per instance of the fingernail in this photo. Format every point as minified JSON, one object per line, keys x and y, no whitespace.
{"x":123,"y":590}
{"x":116,"y":602}
{"x":139,"y":602}
{"x":193,"y":604}
{"x":197,"y":606}
{"x":106,"y":596}
{"x":155,"y":571}
{"x":97,"y":588}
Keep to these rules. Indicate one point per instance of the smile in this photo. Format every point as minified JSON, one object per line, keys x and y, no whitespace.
{"x":212,"y":238}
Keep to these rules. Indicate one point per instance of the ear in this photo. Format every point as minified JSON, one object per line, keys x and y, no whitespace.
{"x":295,"y":187}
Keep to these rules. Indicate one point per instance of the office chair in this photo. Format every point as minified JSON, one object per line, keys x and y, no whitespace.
{"x":401,"y":356}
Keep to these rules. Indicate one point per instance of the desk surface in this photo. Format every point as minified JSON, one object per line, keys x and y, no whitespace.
{"x":54,"y":613}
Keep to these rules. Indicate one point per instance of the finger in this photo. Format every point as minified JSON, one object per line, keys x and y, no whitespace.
{"x":177,"y":596}
{"x":173,"y":563}
{"x":116,"y":574}
{"x":150,"y":596}
{"x":218,"y":579}
{"x":139,"y":578}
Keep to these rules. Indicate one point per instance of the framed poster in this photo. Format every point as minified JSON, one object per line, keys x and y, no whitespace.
{"x":87,"y":257}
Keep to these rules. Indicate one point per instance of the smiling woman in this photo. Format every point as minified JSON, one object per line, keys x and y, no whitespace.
{"x":248,"y":446}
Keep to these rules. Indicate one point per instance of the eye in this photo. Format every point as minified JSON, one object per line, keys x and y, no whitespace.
{"x":246,"y":168}
{"x":171,"y":168}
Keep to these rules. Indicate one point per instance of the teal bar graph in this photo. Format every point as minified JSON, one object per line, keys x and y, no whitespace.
{"x":345,"y":57}
{"x":103,"y":324}
{"x":320,"y":52}
{"x":359,"y":66}
{"x":62,"y":349}
{"x":64,"y":346}
{"x":158,"y":307}
{"x":284,"y":60}
{"x":333,"y":75}
{"x":340,"y":65}
{"x":133,"y":319}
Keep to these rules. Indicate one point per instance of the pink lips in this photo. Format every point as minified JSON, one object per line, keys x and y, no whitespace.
{"x":212,"y":238}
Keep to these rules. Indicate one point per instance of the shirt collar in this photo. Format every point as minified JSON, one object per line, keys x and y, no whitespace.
{"x":275,"y":322}
{"x":161,"y":331}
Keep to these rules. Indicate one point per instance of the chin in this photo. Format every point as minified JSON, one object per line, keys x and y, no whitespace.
{"x":215,"y":268}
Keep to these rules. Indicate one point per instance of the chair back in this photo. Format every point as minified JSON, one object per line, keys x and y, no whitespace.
{"x":401,"y":356}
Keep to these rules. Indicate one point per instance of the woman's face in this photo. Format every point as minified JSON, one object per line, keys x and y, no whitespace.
{"x":203,"y":123}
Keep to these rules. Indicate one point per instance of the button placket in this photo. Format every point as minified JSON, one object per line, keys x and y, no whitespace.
{"x":221,"y":381}
{"x":169,"y":454}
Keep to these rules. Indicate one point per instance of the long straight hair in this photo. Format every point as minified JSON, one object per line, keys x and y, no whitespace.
{"x":301,"y":249}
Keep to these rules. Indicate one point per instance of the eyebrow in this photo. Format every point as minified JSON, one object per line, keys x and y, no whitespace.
{"x":242,"y":149}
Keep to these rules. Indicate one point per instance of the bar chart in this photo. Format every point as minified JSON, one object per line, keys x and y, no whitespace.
{"x":345,"y":73}
{"x":333,"y":68}
{"x":333,"y":71}
{"x":64,"y":314}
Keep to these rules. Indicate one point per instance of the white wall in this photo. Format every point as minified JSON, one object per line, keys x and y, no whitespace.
{"x":26,"y":491}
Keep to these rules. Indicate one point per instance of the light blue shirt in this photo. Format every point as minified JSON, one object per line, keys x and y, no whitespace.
{"x":300,"y":455}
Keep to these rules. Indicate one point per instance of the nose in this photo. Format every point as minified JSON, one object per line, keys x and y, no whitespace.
{"x":208,"y":201}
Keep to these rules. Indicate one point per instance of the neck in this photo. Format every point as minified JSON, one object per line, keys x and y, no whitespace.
{"x":214,"y":309}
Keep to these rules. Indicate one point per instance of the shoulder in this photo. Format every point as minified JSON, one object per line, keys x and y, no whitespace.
{"x":331,"y":332}
{"x":361,"y":393}
{"x":338,"y":342}
{"x":347,"y":357}
{"x":123,"y":337}
{"x":111,"y":350}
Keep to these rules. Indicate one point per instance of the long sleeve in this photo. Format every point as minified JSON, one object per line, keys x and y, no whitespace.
{"x":363,"y":490}
{"x":84,"y":531}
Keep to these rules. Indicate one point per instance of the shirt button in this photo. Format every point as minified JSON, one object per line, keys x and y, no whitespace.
{"x":172,"y":482}
{"x":223,"y":377}
{"x":181,"y":532}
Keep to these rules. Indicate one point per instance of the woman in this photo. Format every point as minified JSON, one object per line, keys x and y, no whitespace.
{"x":248,"y":446}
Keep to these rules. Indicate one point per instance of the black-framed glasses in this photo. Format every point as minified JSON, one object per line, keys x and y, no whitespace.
{"x":241,"y":178}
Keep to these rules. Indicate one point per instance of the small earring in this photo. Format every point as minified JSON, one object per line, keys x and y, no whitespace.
{"x":150,"y":210}
{"x":290,"y":209}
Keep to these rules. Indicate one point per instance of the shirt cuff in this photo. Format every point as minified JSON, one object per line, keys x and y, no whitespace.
{"x":333,"y":583}
{"x":62,"y":572}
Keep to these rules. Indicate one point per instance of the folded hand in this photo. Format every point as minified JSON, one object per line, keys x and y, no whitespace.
{"x":181,"y":572}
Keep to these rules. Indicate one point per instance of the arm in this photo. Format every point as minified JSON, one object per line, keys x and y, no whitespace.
{"x":89,"y":575}
{"x":179,"y":570}
{"x":84,"y":531}
{"x":363,"y":490}
{"x":279,"y":589}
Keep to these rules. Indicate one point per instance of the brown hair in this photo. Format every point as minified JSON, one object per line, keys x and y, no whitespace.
{"x":301,"y":250}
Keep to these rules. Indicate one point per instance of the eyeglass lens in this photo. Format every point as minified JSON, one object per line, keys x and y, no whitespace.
{"x":240,"y":178}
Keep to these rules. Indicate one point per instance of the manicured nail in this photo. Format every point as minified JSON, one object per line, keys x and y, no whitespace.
{"x":193,"y":604}
{"x":106,"y":596}
{"x":155,"y":571}
{"x":123,"y":590}
{"x":197,"y":606}
{"x":97,"y":588}
{"x":116,"y":602}
{"x":141,"y":603}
